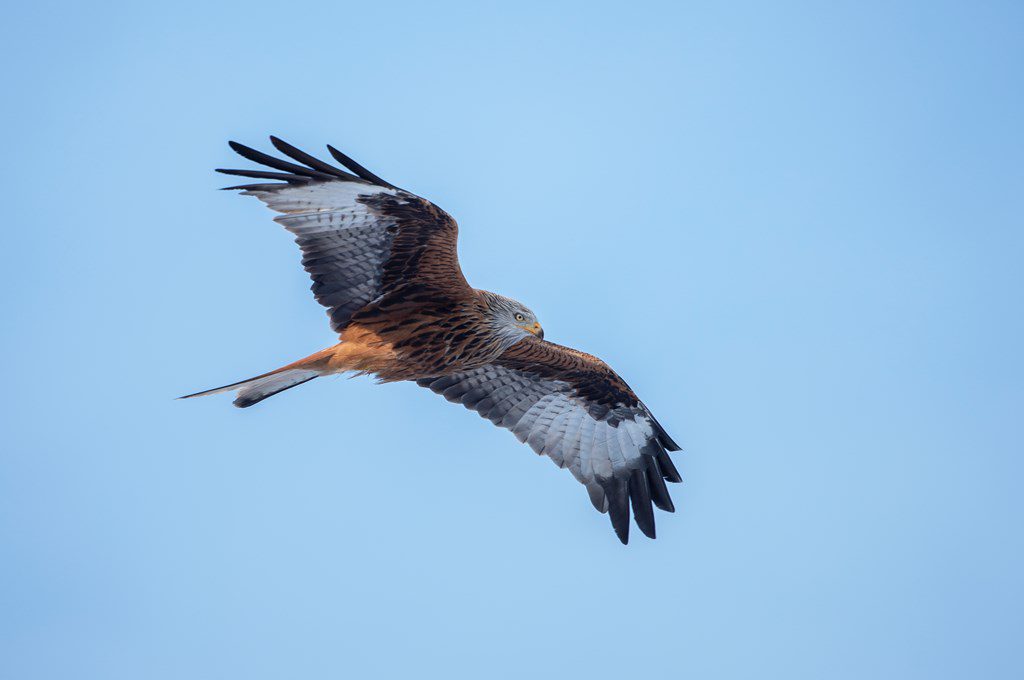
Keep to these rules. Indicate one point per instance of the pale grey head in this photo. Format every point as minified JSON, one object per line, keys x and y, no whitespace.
{"x":511,"y":319}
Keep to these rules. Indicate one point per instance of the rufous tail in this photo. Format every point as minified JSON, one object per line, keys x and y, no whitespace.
{"x":257,"y":389}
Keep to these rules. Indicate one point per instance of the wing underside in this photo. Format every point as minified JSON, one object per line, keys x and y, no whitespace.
{"x":575,"y":410}
{"x":357,"y":232}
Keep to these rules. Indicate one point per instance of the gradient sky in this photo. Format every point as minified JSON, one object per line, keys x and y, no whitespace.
{"x":797,"y":230}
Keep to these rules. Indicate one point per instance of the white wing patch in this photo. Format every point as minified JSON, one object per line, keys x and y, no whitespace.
{"x":615,"y":454}
{"x":317,"y":197}
{"x":344,"y":242}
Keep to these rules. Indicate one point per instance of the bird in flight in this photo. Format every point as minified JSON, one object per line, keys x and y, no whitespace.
{"x":384,"y":264}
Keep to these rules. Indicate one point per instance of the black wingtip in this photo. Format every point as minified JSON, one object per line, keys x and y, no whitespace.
{"x":359,"y":170}
{"x":663,"y":437}
{"x":659,"y":491}
{"x":312,"y":168}
{"x":668,"y":468}
{"x":617,"y":493}
{"x":597,"y":498}
{"x":276,"y":163}
{"x":668,"y":442}
{"x":264,"y":174}
{"x":254,"y":187}
{"x":640,"y":495}
{"x":315,"y":163}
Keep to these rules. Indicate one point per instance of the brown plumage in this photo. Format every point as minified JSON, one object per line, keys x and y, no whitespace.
{"x":384,"y":263}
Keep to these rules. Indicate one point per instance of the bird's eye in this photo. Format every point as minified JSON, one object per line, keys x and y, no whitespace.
{"x":520,"y":318}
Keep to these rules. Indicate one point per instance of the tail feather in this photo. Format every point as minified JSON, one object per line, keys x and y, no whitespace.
{"x":257,"y":389}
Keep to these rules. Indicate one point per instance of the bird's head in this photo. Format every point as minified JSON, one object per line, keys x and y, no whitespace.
{"x":510,"y":317}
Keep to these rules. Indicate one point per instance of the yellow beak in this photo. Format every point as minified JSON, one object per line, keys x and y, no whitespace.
{"x":535,"y":329}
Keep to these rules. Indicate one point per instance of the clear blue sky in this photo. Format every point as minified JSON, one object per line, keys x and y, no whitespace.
{"x":797,"y":229}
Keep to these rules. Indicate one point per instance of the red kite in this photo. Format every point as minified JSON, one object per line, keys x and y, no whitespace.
{"x":384,"y":264}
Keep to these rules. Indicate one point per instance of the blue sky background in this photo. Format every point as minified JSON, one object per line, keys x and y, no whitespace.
{"x":795,"y":228}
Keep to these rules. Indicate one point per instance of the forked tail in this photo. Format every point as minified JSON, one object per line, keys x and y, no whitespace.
{"x":257,"y":389}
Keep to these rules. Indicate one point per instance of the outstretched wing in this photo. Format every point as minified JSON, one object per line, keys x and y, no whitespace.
{"x":361,"y":238}
{"x":573,"y":408}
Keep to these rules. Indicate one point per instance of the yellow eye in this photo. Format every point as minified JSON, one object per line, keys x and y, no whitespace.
{"x":520,"y":317}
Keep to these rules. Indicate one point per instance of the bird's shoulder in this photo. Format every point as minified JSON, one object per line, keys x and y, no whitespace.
{"x":589,"y":376}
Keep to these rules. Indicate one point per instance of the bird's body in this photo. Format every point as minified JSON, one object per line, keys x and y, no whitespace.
{"x":385,"y":264}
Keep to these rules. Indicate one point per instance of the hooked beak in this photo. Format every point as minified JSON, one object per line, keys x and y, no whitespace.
{"x":535,"y":329}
